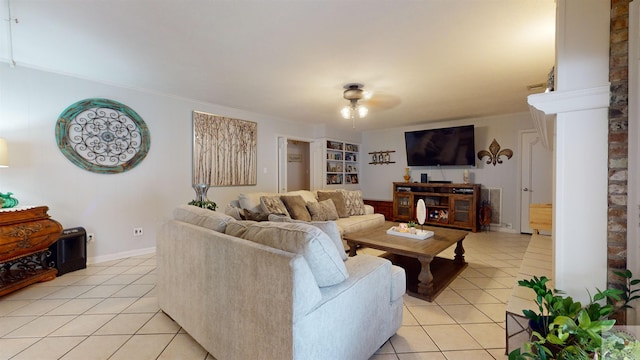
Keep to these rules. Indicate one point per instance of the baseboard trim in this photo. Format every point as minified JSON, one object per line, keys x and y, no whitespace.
{"x":121,"y":255}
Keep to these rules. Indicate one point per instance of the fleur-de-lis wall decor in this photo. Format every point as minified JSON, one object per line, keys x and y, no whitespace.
{"x":494,"y":153}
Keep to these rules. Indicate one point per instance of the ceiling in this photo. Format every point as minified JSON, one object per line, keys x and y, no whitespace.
{"x":424,"y":60}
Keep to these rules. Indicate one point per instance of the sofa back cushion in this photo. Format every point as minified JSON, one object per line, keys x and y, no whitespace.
{"x":328,"y":227}
{"x":202,"y":217}
{"x":304,"y":239}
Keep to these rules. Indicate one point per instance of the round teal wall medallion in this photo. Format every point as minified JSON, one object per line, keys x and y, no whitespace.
{"x":102,"y":136}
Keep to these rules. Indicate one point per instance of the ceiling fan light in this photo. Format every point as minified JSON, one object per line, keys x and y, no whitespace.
{"x":346,"y":112}
{"x":362,"y":111}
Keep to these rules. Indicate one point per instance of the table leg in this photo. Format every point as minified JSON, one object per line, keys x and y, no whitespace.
{"x":425,"y":278}
{"x":352,"y":248}
{"x":459,"y":258}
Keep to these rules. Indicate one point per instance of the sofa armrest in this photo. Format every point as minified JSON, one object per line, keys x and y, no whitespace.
{"x":206,"y":277}
{"x":368,"y":209}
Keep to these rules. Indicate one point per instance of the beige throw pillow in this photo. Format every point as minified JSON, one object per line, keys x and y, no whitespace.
{"x":296,"y":207}
{"x":353,"y":201}
{"x":322,"y":210}
{"x":273,"y":205}
{"x":338,"y":201}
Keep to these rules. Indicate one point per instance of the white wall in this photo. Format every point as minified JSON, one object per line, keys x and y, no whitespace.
{"x":377,"y":180}
{"x":112,"y":205}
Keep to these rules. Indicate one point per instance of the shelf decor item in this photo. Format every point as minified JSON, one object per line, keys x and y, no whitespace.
{"x":421,"y":213}
{"x":102,"y":136}
{"x":406,"y":175}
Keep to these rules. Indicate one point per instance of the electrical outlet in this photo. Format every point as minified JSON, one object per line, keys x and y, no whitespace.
{"x":138,"y":231}
{"x":91,"y":237}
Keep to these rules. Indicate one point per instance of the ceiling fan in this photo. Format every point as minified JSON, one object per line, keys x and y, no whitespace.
{"x":356,"y":95}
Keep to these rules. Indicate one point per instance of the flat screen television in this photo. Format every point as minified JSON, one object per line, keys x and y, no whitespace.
{"x":452,"y":146}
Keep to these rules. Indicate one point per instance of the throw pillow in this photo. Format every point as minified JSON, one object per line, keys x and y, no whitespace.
{"x":273,"y":205}
{"x":296,"y":207}
{"x":310,"y":242}
{"x":328,"y":227}
{"x":338,"y":201}
{"x":322,"y":210}
{"x":353,"y":201}
{"x":256,"y":216}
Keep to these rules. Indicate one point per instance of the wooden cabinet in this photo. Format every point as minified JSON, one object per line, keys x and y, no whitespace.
{"x":342,"y":163}
{"x":25,"y":236}
{"x":451,"y":205}
{"x":381,"y":207}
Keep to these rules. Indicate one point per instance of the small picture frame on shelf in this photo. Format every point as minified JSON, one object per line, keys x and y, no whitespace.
{"x":387,"y":157}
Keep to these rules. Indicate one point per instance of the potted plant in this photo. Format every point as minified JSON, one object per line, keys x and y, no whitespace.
{"x":206,"y":204}
{"x":565,"y":329}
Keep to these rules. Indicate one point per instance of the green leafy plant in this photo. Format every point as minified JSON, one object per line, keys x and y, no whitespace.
{"x":569,"y":330}
{"x":411,"y":224}
{"x":204,"y":204}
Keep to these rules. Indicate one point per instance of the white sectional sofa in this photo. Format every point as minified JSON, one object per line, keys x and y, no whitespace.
{"x":269,"y":290}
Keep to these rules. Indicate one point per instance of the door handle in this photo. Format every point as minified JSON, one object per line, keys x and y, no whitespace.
{"x":525,"y":189}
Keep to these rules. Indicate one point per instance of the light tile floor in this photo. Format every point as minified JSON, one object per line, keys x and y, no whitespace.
{"x":109,"y":311}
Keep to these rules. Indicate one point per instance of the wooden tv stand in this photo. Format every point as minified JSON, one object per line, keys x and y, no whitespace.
{"x":450,"y":205}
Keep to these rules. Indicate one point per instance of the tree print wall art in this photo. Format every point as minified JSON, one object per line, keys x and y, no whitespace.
{"x":224,"y":150}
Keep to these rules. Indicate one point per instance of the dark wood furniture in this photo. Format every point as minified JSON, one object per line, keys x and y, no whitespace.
{"x":25,"y":236}
{"x":427,"y":274}
{"x":450,"y":205}
{"x":381,"y":207}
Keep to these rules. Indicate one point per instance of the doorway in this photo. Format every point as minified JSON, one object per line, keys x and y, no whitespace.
{"x":295,"y":164}
{"x":536,"y":176}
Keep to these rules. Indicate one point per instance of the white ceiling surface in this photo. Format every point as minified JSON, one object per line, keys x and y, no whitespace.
{"x":425,"y":60}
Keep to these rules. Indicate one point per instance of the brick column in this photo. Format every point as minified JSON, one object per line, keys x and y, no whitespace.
{"x":618,"y":143}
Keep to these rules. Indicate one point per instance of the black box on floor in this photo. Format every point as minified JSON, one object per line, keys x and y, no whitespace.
{"x":69,"y":253}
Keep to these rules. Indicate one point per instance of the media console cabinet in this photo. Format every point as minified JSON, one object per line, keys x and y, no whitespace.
{"x":450,"y":205}
{"x":25,"y":236}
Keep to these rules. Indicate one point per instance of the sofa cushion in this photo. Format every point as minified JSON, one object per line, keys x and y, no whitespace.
{"x":238,"y":228}
{"x":358,"y":223}
{"x":296,"y":206}
{"x":338,"y":201}
{"x":353,"y":201}
{"x":322,"y":210}
{"x":202,"y":217}
{"x":304,"y":239}
{"x":328,"y":227}
{"x":273,"y":205}
{"x":306,"y":195}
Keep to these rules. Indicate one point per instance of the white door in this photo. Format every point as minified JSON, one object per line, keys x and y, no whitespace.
{"x":536,"y":176}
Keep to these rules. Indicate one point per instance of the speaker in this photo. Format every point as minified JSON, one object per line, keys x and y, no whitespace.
{"x":70,"y":251}
{"x":423,"y":178}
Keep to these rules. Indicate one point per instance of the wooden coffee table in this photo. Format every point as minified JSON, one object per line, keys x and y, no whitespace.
{"x":427,"y":274}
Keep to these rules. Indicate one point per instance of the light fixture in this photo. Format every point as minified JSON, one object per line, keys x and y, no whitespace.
{"x":4,"y":153}
{"x":353,"y":92}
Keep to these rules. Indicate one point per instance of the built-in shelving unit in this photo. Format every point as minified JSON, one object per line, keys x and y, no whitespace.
{"x":342,"y":163}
